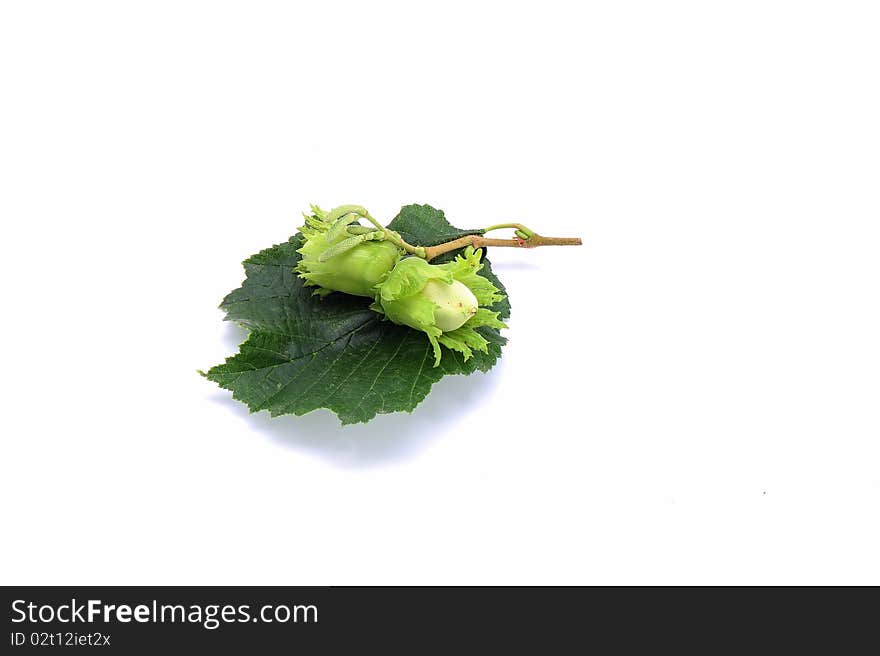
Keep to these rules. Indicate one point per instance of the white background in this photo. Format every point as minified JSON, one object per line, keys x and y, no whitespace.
{"x":691,"y":397}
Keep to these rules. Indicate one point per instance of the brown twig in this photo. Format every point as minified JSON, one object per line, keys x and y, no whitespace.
{"x":478,"y":241}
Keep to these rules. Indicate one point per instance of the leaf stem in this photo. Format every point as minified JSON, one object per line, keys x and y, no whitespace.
{"x":521,"y":230}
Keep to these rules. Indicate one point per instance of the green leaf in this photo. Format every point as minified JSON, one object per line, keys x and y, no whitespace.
{"x":423,"y":225}
{"x":305,"y":353}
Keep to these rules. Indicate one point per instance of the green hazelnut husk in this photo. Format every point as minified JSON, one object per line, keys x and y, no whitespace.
{"x":355,"y":271}
{"x":448,"y":302}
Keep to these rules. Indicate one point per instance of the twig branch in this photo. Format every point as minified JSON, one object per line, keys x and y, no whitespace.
{"x":478,"y":241}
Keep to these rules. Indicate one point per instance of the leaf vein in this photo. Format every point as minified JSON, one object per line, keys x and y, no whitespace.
{"x":373,"y":384}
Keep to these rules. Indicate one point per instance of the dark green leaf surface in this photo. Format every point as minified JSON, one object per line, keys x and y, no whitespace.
{"x":305,"y":353}
{"x":423,"y":225}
